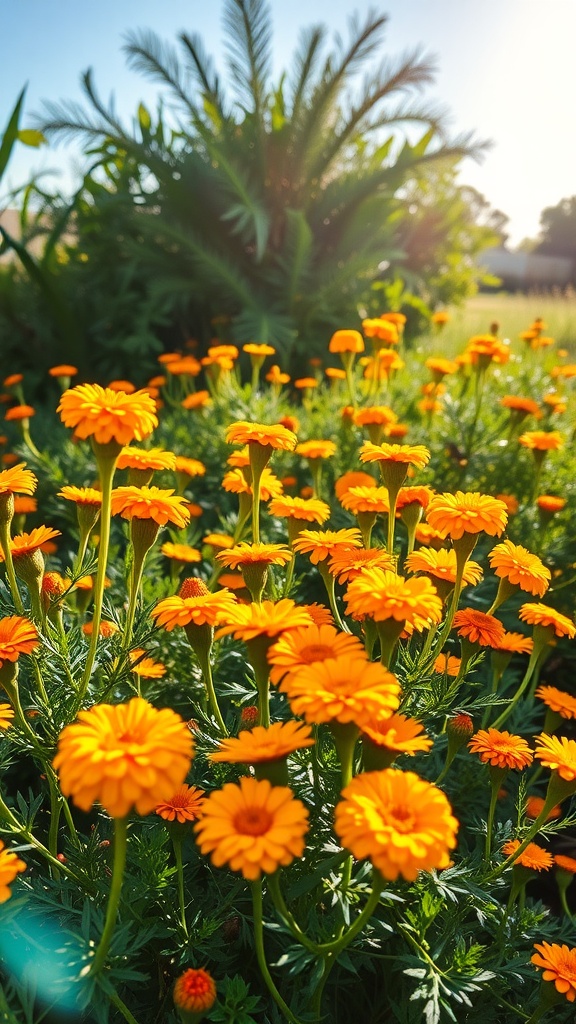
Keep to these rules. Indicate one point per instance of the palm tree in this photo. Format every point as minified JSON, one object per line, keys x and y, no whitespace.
{"x":273,"y":204}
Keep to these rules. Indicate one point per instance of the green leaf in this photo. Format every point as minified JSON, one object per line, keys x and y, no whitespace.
{"x":11,"y":134}
{"x":144,"y":118}
{"x":31,"y":137}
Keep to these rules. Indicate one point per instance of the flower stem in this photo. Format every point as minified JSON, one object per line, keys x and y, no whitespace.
{"x":120,"y":842}
{"x":261,"y":955}
{"x":9,"y":563}
{"x":177,"y":845}
{"x":206,"y":667}
{"x":532,"y":664}
{"x":106,"y":467}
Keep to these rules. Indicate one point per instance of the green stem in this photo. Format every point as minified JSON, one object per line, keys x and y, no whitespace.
{"x":120,"y":842}
{"x":523,"y":685}
{"x":206,"y":667}
{"x":135,"y":581}
{"x":55,"y":811}
{"x":497,"y":775}
{"x":106,"y":467}
{"x":279,"y":902}
{"x":261,"y":955}
{"x":18,"y":829}
{"x":289,"y":575}
{"x":177,"y":845}
{"x":119,"y":1004}
{"x":330,"y":584}
{"x":9,"y":563}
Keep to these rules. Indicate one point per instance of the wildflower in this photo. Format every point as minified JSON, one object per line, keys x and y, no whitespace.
{"x":485,"y":348}
{"x":145,"y":459}
{"x":447,"y":664}
{"x":319,"y":614}
{"x":535,"y":806}
{"x":276,"y":377}
{"x":478,"y":627}
{"x":219,"y":540}
{"x":333,"y":373}
{"x":401,"y":822}
{"x":441,"y":564}
{"x":352,"y":479}
{"x":193,"y":605}
{"x":543,"y":615}
{"x":550,"y":503}
{"x":253,"y":827}
{"x":28,"y":543}
{"x":63,"y":370}
{"x":521,"y":406}
{"x":399,"y":734}
{"x":124,"y":756}
{"x":558,"y":754}
{"x":562,"y":703}
{"x":150,"y":503}
{"x":197,"y":400}
{"x":181,"y":552}
{"x":247,"y":621}
{"x":405,"y":454}
{"x":542,"y":440}
{"x":10,"y":866}
{"x":82,"y":495}
{"x":501,"y":749}
{"x":348,"y":565}
{"x":515,"y":643}
{"x":426,"y":534}
{"x":261,"y":744}
{"x":565,"y":863}
{"x":19,"y":412}
{"x":379,"y":415}
{"x":322,"y":544}
{"x":17,"y":480}
{"x":511,"y":503}
{"x":306,"y":383}
{"x":107,"y":415}
{"x":194,"y":991}
{"x":346,"y":341}
{"x":308,"y":645}
{"x":105,"y":629}
{"x":236,"y":483}
{"x":146,"y":667}
{"x":559,"y":967}
{"x":316,"y":449}
{"x":184,"y":805}
{"x":347,"y":688}
{"x":414,"y":496}
{"x":381,"y":594}
{"x":257,"y":433}
{"x":520,"y":568}
{"x":440,"y":368}
{"x":381,"y":329}
{"x":310,"y":510}
{"x":184,"y":466}
{"x":366,"y":499}
{"x":534,"y":857}
{"x":259,"y":350}
{"x":471,"y":512}
{"x":440,"y":318}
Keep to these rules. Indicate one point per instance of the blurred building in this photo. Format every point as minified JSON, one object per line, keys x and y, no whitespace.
{"x":525,"y":271}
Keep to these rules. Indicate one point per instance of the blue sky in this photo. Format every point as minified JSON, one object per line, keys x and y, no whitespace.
{"x":506,"y":69}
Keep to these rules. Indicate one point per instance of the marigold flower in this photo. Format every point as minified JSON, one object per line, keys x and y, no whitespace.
{"x":195,"y":605}
{"x":17,"y":480}
{"x":348,"y":565}
{"x":107,"y":415}
{"x":377,"y":327}
{"x":275,"y":376}
{"x":264,"y":744}
{"x":501,"y":749}
{"x":381,"y":415}
{"x":346,"y":341}
{"x":562,"y":703}
{"x":24,"y":506}
{"x":467,"y":512}
{"x":274,"y":436}
{"x":542,"y":440}
{"x":253,"y":827}
{"x":305,"y":382}
{"x":447,"y":664}
{"x":399,"y":733}
{"x":558,"y":754}
{"x":247,"y":621}
{"x":308,"y":645}
{"x":442,"y":565}
{"x":411,"y":454}
{"x":181,"y":552}
{"x":124,"y":756}
{"x":550,"y":503}
{"x":321,"y":544}
{"x":511,"y":503}
{"x":184,"y":805}
{"x":141,"y":458}
{"x":478,"y":627}
{"x":19,"y":412}
{"x":82,"y":495}
{"x":310,"y":510}
{"x":196,"y":400}
{"x":319,"y":614}
{"x":441,"y":367}
{"x":353,"y":479}
{"x":146,"y":667}
{"x":106,"y":629}
{"x":10,"y":866}
{"x":63,"y":370}
{"x":402,"y":823}
{"x":254,"y":554}
{"x":534,"y":857}
{"x":6,"y":715}
{"x":427,"y":535}
{"x":543,"y":615}
{"x":565,"y":863}
{"x":414,"y":496}
{"x":440,"y":318}
{"x":270,"y":485}
{"x":485,"y":348}
{"x":559,"y":967}
{"x":219,"y":540}
{"x":382,"y":595}
{"x":28,"y":543}
{"x":259,"y":350}
{"x":316,"y":449}
{"x":535,"y":806}
{"x":189,"y":467}
{"x":345,"y":689}
{"x":518,"y":565}
{"x":187,"y":366}
{"x":521,"y":405}
{"x":366,"y":499}
{"x":515,"y":643}
{"x":122,"y":385}
{"x":194,"y":991}
{"x":150,"y":503}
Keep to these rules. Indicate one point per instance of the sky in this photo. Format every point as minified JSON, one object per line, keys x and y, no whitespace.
{"x":506,"y":69}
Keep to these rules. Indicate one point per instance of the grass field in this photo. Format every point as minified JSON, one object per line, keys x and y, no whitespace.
{"x":514,"y":313}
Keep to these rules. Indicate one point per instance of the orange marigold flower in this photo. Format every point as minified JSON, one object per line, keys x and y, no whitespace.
{"x":518,"y":565}
{"x":447,"y":664}
{"x":247,"y":621}
{"x":141,"y":458}
{"x":353,"y":479}
{"x":522,"y":405}
{"x":565,"y":863}
{"x":24,"y":506}
{"x":150,"y":503}
{"x":414,"y":496}
{"x":515,"y":643}
{"x":189,"y":467}
{"x":395,"y":318}
{"x":478,"y":627}
{"x":275,"y":376}
{"x":511,"y":503}
{"x":194,"y":604}
{"x":426,"y":534}
{"x":550,"y":503}
{"x":411,"y":454}
{"x":195,"y":991}
{"x":321,"y":544}
{"x":146,"y":667}
{"x":10,"y":866}
{"x":311,"y":510}
{"x":441,"y":367}
{"x":106,"y":629}
{"x":440,"y":318}
{"x":19,"y":412}
{"x":316,"y":449}
{"x":485,"y":347}
{"x":558,"y":754}
{"x":333,"y":373}
{"x":63,"y":370}
{"x":270,"y":486}
{"x":219,"y":540}
{"x":305,"y":382}
{"x":562,"y":703}
{"x":559,"y":967}
{"x":366,"y":499}
{"x":379,"y":414}
{"x":187,"y":366}
{"x":377,"y":327}
{"x":6,"y":716}
{"x":253,"y":827}
{"x":535,"y":806}
{"x":82,"y":495}
{"x":542,"y":440}
{"x":400,"y":733}
{"x":467,"y":512}
{"x":124,"y":756}
{"x":107,"y":415}
{"x":346,"y":341}
{"x":17,"y":480}
{"x":259,"y":350}
{"x":196,"y":400}
{"x":122,"y":385}
{"x":347,"y":565}
{"x":344,"y":689}
{"x":264,"y":744}
{"x":402,"y":823}
{"x":28,"y":543}
{"x":382,"y":595}
{"x":442,"y":565}
{"x":274,"y":436}
{"x":501,"y":749}
{"x":181,"y":552}
{"x":184,"y":805}
{"x":543,"y":615}
{"x":534,"y":857}
{"x":251,"y":554}
{"x":319,"y":614}
{"x":306,"y":646}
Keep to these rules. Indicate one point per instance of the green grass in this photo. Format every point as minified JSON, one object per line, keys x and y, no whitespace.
{"x":514,"y":313}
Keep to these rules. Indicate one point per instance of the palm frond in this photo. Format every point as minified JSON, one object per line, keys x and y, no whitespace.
{"x":248,"y":28}
{"x":202,"y":69}
{"x":305,"y":62}
{"x":147,"y":53}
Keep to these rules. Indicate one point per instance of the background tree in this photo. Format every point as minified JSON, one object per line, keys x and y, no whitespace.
{"x":558,"y":229}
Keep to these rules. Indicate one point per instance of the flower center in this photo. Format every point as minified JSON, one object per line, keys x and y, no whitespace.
{"x":315,"y":652}
{"x":566,"y":968}
{"x":253,"y":821}
{"x":401,"y":818}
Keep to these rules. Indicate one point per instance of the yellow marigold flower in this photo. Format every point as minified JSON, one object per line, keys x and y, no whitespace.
{"x":310,"y":510}
{"x":124,"y":756}
{"x":259,"y":350}
{"x":181,"y":552}
{"x":467,"y":512}
{"x":382,"y":595}
{"x":377,"y":327}
{"x":140,"y":458}
{"x":565,"y":863}
{"x":347,"y":565}
{"x":442,"y":565}
{"x":146,"y":667}
{"x":219,"y":540}
{"x":411,"y":454}
{"x":399,"y":733}
{"x":562,"y":703}
{"x":228,"y":351}
{"x":382,"y":415}
{"x":521,"y":405}
{"x":515,"y":643}
{"x":447,"y":664}
{"x":559,"y":967}
{"x":542,"y":440}
{"x":150,"y":503}
{"x":247,"y":621}
{"x":107,"y":415}
{"x":194,"y":604}
{"x":551,"y":503}
{"x":395,"y":318}
{"x":353,"y":479}
{"x":251,"y":554}
{"x":344,"y":689}
{"x":189,"y":467}
{"x":441,"y":367}
{"x":366,"y":499}
{"x":501,"y":749}
{"x":28,"y":543}
{"x":478,"y":627}
{"x":440,"y":318}
{"x":518,"y":565}
{"x":543,"y":615}
{"x":301,"y":647}
{"x":535,"y":806}
{"x":264,"y":744}
{"x":321,"y":544}
{"x":346,"y":341}
{"x":10,"y":866}
{"x":558,"y":754}
{"x":19,"y":412}
{"x":82,"y":495}
{"x":17,"y":480}
{"x":402,"y":823}
{"x":270,"y":486}
{"x":426,"y":534}
{"x":534,"y":857}
{"x":63,"y":370}
{"x":316,"y":449}
{"x":195,"y":991}
{"x":274,"y":436}
{"x":6,"y":715}
{"x":184,"y":805}
{"x":253,"y":827}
